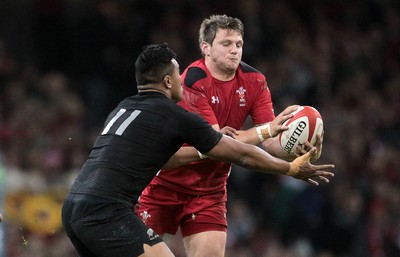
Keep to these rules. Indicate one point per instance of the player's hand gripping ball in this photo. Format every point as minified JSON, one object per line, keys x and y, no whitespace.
{"x":305,"y":125}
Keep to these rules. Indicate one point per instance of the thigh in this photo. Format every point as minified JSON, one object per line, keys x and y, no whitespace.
{"x":205,"y":244}
{"x":205,"y":213}
{"x":158,"y":250}
{"x":160,"y":208}
{"x":111,"y":230}
{"x":79,"y":246}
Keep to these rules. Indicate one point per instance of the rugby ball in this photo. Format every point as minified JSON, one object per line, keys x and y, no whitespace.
{"x":305,"y":125}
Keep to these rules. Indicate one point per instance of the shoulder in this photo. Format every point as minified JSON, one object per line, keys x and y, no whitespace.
{"x":174,"y":113}
{"x":185,"y":119}
{"x":153,"y":102}
{"x":194,"y":73}
{"x":250,"y":72}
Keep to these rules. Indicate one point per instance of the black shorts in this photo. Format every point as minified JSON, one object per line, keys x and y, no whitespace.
{"x":101,"y":228}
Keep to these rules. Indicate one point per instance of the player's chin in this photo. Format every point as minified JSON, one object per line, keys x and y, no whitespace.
{"x":233,"y":63}
{"x":231,"y":68}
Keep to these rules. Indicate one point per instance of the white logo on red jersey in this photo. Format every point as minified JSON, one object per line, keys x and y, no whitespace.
{"x":241,"y":91}
{"x":214,"y":99}
{"x":145,"y":215}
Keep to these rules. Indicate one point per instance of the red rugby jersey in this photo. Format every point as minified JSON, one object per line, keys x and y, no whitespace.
{"x":227,"y":103}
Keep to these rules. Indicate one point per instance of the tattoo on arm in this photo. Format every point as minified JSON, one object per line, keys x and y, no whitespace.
{"x":242,"y":162}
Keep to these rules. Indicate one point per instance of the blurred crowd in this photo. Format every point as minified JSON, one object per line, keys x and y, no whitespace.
{"x":64,"y":65}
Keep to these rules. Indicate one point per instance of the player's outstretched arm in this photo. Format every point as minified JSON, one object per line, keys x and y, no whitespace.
{"x":259,"y":134}
{"x":188,"y":154}
{"x":252,"y":157}
{"x":273,"y":147}
{"x":185,"y":155}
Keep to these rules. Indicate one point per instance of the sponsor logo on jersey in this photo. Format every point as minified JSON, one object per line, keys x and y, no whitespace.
{"x":214,"y":99}
{"x":152,"y":235}
{"x":241,"y":92}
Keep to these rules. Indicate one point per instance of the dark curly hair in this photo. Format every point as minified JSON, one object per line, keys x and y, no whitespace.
{"x":154,"y":63}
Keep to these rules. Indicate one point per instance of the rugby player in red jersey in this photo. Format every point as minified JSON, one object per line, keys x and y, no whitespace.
{"x":224,"y":91}
{"x":141,"y":135}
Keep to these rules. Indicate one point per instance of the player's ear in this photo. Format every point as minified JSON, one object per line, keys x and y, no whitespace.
{"x":167,"y":81}
{"x":205,"y":48}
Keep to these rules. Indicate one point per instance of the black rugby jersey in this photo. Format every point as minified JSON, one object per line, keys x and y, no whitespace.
{"x":138,"y":138}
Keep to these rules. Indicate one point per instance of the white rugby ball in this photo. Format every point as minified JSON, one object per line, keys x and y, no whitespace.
{"x":305,"y":125}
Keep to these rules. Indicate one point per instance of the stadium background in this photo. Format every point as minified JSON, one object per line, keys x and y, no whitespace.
{"x":64,"y":64}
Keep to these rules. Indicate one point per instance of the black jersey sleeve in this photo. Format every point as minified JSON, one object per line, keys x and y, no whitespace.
{"x":198,"y":132}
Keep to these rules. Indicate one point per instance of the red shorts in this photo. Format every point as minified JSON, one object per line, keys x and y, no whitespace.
{"x":164,"y":210}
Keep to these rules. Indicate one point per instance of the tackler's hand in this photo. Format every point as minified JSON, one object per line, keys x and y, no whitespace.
{"x":301,"y":168}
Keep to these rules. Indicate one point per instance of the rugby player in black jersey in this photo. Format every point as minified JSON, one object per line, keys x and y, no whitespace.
{"x":141,"y":135}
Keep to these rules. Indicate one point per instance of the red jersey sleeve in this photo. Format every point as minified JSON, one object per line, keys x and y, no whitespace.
{"x":195,"y":96}
{"x":263,"y":110}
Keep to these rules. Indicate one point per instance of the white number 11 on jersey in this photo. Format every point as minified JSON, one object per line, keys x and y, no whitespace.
{"x":124,"y":124}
